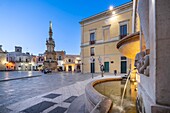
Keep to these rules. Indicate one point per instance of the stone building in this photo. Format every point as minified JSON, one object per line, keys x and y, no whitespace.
{"x":99,"y":36}
{"x":60,"y":58}
{"x":40,"y":61}
{"x":2,"y":59}
{"x":18,"y":60}
{"x":72,"y":63}
{"x":50,"y":54}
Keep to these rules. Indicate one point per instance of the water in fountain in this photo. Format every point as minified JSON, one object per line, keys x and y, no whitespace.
{"x":127,"y":80}
{"x":114,"y":90}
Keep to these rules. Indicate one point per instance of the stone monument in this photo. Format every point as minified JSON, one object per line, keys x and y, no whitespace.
{"x":50,"y":54}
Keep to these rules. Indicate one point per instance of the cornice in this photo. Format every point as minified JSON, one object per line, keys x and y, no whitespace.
{"x":108,"y":13}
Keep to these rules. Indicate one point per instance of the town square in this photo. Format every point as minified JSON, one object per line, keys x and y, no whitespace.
{"x":71,"y":56}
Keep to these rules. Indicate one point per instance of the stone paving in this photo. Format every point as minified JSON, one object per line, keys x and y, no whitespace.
{"x":17,"y":90}
{"x":56,"y":101}
{"x":17,"y":74}
{"x":21,"y":89}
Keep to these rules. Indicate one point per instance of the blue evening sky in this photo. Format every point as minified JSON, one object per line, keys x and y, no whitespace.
{"x":25,"y":23}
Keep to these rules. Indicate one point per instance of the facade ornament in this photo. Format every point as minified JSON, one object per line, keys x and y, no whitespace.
{"x":142,"y":62}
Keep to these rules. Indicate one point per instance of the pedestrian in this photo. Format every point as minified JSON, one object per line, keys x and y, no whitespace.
{"x":102,"y":69}
{"x":115,"y":72}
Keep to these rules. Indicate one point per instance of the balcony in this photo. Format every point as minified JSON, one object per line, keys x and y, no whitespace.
{"x":92,"y":42}
{"x":92,"y":54}
{"x":122,"y":36}
{"x":129,"y":46}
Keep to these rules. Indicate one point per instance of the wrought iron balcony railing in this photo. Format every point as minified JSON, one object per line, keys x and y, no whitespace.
{"x":92,"y":42}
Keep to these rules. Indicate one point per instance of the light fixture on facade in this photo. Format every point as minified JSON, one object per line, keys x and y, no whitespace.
{"x":111,"y":7}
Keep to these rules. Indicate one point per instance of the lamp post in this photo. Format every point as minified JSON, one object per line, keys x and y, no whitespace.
{"x":92,"y":60}
{"x":101,"y":66}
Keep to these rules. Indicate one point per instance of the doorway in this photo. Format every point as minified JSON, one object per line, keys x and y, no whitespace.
{"x":106,"y":66}
{"x":69,"y":68}
{"x":123,"y":65}
{"x":92,"y":67}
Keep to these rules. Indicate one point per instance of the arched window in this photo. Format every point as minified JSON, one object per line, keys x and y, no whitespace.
{"x":69,"y":60}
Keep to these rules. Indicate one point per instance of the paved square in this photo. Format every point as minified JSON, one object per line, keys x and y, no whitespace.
{"x":39,"y":107}
{"x":52,"y":95}
{"x":61,"y":103}
{"x":70,"y":99}
{"x":58,"y":110}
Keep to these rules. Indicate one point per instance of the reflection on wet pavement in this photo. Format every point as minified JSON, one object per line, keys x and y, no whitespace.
{"x":17,"y":90}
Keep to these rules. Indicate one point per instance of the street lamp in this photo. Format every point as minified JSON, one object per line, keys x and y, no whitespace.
{"x":101,"y":66}
{"x":92,"y":60}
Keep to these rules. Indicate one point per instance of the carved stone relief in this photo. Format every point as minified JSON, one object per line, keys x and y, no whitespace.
{"x":142,"y":62}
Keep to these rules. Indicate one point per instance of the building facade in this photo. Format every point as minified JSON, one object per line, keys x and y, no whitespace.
{"x":60,"y":58}
{"x":99,"y":36}
{"x":50,"y":55}
{"x":18,"y":60}
{"x":2,"y":59}
{"x":40,"y":61}
{"x":72,"y":63}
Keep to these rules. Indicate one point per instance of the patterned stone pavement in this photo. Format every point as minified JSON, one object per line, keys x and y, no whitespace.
{"x":56,"y":101}
{"x":14,"y":91}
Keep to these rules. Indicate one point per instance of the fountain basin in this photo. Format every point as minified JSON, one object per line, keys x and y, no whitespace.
{"x":100,"y":98}
{"x":130,"y":45}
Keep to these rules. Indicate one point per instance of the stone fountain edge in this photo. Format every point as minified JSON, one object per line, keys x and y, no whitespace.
{"x":93,"y":97}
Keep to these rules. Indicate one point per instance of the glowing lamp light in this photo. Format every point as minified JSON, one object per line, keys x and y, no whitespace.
{"x":113,"y":12}
{"x":111,"y":7}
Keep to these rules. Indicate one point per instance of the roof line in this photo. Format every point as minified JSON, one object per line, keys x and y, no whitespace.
{"x":106,"y":11}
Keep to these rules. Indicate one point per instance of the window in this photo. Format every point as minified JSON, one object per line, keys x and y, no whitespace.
{"x":69,"y":60}
{"x":123,"y":31}
{"x":92,"y":38}
{"x":60,"y":58}
{"x":92,"y":51}
{"x":20,"y":59}
{"x":123,"y":58}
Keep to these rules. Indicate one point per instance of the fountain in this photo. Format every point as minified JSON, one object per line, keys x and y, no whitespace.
{"x":127,"y":80}
{"x":116,"y":90}
{"x":151,"y":17}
